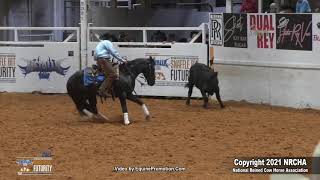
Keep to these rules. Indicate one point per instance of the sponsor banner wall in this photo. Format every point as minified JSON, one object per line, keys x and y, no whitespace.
{"x":45,"y":69}
{"x":172,"y":67}
{"x":279,"y":66}
{"x":272,"y":39}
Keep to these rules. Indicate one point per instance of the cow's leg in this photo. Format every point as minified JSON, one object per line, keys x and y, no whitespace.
{"x":135,"y":99}
{"x":205,"y":98}
{"x":123,"y":102}
{"x":219,"y":98}
{"x":189,"y":93}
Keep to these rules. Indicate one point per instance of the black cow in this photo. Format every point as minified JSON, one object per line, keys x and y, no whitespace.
{"x":205,"y":79}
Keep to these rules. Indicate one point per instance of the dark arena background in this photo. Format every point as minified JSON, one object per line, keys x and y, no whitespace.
{"x":264,"y":63}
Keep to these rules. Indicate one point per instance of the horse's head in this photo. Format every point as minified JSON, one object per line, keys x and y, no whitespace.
{"x":148,"y":71}
{"x":141,"y":65}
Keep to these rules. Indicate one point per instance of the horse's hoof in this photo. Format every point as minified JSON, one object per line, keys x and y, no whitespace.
{"x":84,"y":118}
{"x":99,"y":119}
{"x":148,"y":117}
{"x":126,"y":123}
{"x":188,"y":103}
{"x":102,"y":117}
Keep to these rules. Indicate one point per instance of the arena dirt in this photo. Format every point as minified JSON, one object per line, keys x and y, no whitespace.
{"x":202,"y":141}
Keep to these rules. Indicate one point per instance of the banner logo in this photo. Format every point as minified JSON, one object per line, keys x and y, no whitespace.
{"x":44,"y":68}
{"x":7,"y":68}
{"x":216,"y":30}
{"x":294,"y":31}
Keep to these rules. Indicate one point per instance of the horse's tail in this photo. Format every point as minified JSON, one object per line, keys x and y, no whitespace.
{"x":190,"y":80}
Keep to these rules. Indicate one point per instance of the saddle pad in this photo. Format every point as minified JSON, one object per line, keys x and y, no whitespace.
{"x":91,"y":78}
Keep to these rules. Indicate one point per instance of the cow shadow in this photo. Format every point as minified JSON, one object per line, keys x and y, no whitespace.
{"x":212,"y":105}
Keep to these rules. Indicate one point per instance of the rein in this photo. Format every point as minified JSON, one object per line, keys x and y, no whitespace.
{"x":129,"y":71}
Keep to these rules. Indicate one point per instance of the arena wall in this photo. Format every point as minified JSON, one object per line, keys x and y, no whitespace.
{"x":276,"y":64}
{"x":45,"y":66}
{"x":38,"y":65}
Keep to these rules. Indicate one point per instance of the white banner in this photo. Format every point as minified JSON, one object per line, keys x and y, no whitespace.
{"x":45,"y":69}
{"x":316,"y":32}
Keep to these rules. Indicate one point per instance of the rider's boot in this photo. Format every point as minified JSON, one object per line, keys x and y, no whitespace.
{"x":106,"y":87}
{"x":103,"y":89}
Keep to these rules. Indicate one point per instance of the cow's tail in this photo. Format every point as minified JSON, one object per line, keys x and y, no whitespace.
{"x":190,"y":80}
{"x":69,"y":88}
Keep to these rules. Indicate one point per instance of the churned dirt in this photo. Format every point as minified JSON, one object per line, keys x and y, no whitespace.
{"x":204,"y":141}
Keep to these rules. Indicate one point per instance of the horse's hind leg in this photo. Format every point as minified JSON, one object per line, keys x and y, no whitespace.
{"x":81,"y":104}
{"x":124,"y":109}
{"x":135,"y":99}
{"x":92,"y":106}
{"x":78,"y":101}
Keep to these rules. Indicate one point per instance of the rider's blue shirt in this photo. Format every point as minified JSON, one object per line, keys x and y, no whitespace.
{"x":106,"y":50}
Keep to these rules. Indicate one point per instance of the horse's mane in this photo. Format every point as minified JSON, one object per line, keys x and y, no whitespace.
{"x":125,"y":68}
{"x":136,"y":61}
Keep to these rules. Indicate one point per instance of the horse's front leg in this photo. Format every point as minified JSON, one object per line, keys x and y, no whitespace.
{"x":123,"y":102}
{"x":135,"y":99}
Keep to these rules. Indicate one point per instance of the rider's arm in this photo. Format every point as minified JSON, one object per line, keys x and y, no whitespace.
{"x":113,"y":51}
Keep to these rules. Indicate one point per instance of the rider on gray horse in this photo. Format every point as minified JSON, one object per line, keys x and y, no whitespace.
{"x":103,"y":55}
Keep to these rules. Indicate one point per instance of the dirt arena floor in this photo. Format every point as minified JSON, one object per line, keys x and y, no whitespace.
{"x":205,"y":142}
